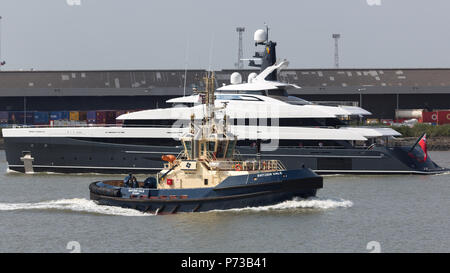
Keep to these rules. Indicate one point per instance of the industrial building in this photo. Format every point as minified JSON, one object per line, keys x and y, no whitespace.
{"x":380,"y":91}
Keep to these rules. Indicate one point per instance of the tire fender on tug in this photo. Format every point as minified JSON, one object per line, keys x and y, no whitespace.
{"x":94,"y":188}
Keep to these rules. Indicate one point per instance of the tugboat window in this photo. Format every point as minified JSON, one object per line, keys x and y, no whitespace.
{"x":206,"y":181}
{"x":211,"y":146}
{"x":202,"y":148}
{"x":230,"y":148}
{"x":221,"y":149}
{"x":188,"y":147}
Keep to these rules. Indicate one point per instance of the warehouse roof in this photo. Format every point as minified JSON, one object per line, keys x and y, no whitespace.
{"x":171,"y":82}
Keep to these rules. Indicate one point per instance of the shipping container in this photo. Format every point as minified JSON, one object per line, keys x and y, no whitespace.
{"x":91,"y":117}
{"x":82,"y":116}
{"x":110,"y":117}
{"x":100,"y":117}
{"x":41,"y":118}
{"x":21,"y":118}
{"x":405,"y":114}
{"x":4,"y":117}
{"x":65,"y":115}
{"x":437,"y":117}
{"x":59,"y":115}
{"x":118,"y":114}
{"x":55,"y":115}
{"x":74,"y":115}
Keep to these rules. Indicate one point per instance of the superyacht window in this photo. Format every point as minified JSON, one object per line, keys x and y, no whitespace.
{"x":248,"y":92}
{"x":237,"y":97}
{"x":292,"y":100}
{"x":277,"y":92}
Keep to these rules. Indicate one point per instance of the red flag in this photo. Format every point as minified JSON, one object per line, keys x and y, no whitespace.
{"x":423,"y":145}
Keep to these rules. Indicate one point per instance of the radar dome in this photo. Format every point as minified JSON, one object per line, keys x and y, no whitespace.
{"x":251,"y":76}
{"x":236,"y":78}
{"x":260,"y":36}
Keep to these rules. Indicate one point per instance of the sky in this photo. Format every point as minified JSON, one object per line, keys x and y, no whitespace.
{"x":201,"y":34}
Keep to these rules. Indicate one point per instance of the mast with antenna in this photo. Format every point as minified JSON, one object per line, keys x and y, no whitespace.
{"x":2,"y":62}
{"x":185,"y":68}
{"x":211,"y":52}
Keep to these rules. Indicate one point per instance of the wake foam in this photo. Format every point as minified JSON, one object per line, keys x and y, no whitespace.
{"x":89,"y":206}
{"x":8,"y":171}
{"x":75,"y":205}
{"x":444,"y":173}
{"x":299,"y":203}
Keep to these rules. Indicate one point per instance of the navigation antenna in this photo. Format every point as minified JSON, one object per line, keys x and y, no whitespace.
{"x":240,"y":63}
{"x":211,"y":46}
{"x":185,"y":67}
{"x":209,"y":87}
{"x":267,"y":31}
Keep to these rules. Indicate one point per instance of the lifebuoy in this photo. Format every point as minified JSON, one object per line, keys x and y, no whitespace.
{"x":238,"y":167}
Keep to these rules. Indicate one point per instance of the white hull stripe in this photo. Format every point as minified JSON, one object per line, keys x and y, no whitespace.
{"x":374,"y":171}
{"x":321,"y":156}
{"x":144,"y":152}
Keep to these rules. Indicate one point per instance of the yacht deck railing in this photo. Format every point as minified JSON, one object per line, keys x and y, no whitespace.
{"x":253,"y":165}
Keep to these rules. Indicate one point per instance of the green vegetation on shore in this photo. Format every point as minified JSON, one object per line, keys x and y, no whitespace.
{"x":420,"y":128}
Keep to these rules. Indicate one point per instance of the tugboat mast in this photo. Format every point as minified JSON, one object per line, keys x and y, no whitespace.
{"x":210,"y":96}
{"x":211,"y":124}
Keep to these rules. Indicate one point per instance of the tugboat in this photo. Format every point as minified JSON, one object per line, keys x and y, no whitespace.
{"x":208,"y":174}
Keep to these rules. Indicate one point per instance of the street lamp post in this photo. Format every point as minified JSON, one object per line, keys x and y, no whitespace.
{"x":360,"y":96}
{"x":360,"y":102}
{"x":1,"y":62}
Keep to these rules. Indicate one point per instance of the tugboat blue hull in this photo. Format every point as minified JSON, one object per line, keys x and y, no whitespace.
{"x":227,"y":195}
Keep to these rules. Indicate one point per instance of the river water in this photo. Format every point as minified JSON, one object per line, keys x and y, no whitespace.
{"x":391,"y":213}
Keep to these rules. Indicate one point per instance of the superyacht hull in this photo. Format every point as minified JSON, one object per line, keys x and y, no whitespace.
{"x":69,"y":155}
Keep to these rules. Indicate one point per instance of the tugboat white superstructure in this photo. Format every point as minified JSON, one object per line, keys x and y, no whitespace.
{"x":208,"y":175}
